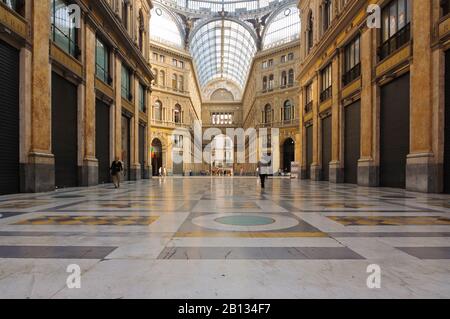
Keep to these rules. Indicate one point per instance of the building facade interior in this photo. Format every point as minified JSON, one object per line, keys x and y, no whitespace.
{"x":349,"y":98}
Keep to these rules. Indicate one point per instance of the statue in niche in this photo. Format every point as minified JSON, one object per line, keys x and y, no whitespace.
{"x":259,"y":24}
{"x":188,"y":23}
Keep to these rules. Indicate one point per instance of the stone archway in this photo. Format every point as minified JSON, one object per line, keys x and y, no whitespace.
{"x":157,"y":156}
{"x":288,"y":153}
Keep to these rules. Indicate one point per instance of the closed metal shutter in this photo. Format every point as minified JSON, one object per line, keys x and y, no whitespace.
{"x":309,"y":150}
{"x":126,"y":146}
{"x":352,"y":144}
{"x":9,"y":120}
{"x":142,"y":149}
{"x":447,"y":125}
{"x":102,"y":141}
{"x":394,"y":132}
{"x":64,"y":132}
{"x":326,"y":147}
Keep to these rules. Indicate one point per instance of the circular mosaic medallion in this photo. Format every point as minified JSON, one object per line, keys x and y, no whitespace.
{"x":245,"y":220}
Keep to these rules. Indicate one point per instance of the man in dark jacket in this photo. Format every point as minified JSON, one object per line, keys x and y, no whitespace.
{"x":116,"y":170}
{"x":264,"y":166}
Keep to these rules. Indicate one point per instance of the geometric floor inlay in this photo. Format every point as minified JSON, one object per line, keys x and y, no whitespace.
{"x":390,"y":220}
{"x":221,"y":237}
{"x":90,"y":220}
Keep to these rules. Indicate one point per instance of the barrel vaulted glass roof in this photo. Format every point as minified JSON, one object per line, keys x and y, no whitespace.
{"x":223,"y":49}
{"x":223,"y":36}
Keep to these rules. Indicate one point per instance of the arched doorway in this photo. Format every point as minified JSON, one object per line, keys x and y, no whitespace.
{"x":288,"y":154}
{"x":157,"y":158}
{"x":222,"y":161}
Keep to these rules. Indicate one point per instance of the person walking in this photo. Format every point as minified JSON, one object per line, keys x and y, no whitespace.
{"x":264,"y":169}
{"x":116,"y":169}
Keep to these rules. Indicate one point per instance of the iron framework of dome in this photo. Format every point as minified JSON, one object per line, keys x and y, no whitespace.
{"x":223,"y":36}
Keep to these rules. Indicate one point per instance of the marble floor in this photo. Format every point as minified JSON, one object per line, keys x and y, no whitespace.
{"x":225,"y":238}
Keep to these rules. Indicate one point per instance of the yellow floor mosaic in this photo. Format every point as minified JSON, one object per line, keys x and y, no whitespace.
{"x":390,"y":220}
{"x":66,"y":220}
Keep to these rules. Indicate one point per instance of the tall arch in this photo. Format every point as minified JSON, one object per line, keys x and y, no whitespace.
{"x":166,"y":28}
{"x":283,"y":26}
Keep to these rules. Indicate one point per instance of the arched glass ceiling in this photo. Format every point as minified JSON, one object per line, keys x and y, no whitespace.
{"x":230,"y":6}
{"x":223,"y":49}
{"x":164,"y":29}
{"x":284,"y":28}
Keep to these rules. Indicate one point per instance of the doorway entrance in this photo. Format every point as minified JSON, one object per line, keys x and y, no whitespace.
{"x":288,"y":155}
{"x":157,"y":156}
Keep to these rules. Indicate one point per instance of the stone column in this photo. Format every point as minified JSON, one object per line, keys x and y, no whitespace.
{"x":336,"y":167}
{"x":38,"y":173}
{"x":316,"y":171}
{"x":118,"y":108}
{"x":422,"y":173}
{"x":148,"y":156}
{"x":89,"y":169}
{"x":302,"y":141}
{"x":135,"y":173}
{"x":368,"y":170}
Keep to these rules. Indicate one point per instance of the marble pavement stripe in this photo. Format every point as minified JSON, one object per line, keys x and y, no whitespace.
{"x":388,"y":234}
{"x":250,"y":234}
{"x":427,"y":252}
{"x":55,"y":252}
{"x":390,"y":220}
{"x":259,"y":253}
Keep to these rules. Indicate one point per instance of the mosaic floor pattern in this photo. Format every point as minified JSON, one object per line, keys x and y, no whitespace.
{"x":225,"y":238}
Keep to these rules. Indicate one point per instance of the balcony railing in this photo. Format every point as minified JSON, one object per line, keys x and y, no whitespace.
{"x":395,"y":42}
{"x":309,"y":107}
{"x":351,"y":75}
{"x":326,"y":94}
{"x":170,"y":124}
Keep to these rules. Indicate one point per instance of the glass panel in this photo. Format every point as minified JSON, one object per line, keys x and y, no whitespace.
{"x":64,"y":32}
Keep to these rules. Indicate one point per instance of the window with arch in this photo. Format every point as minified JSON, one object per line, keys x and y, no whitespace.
{"x":327,"y":14}
{"x":157,"y":111}
{"x":177,"y":114}
{"x":141,"y":30}
{"x":267,"y":114}
{"x":288,"y":111}
{"x":291,"y":77}
{"x":155,"y":74}
{"x":162,"y":78}
{"x":181,"y":83}
{"x":125,"y":13}
{"x":174,"y":81}
{"x":265,"y":83}
{"x":284,"y":79}
{"x":271,"y":82}
{"x":310,"y":32}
